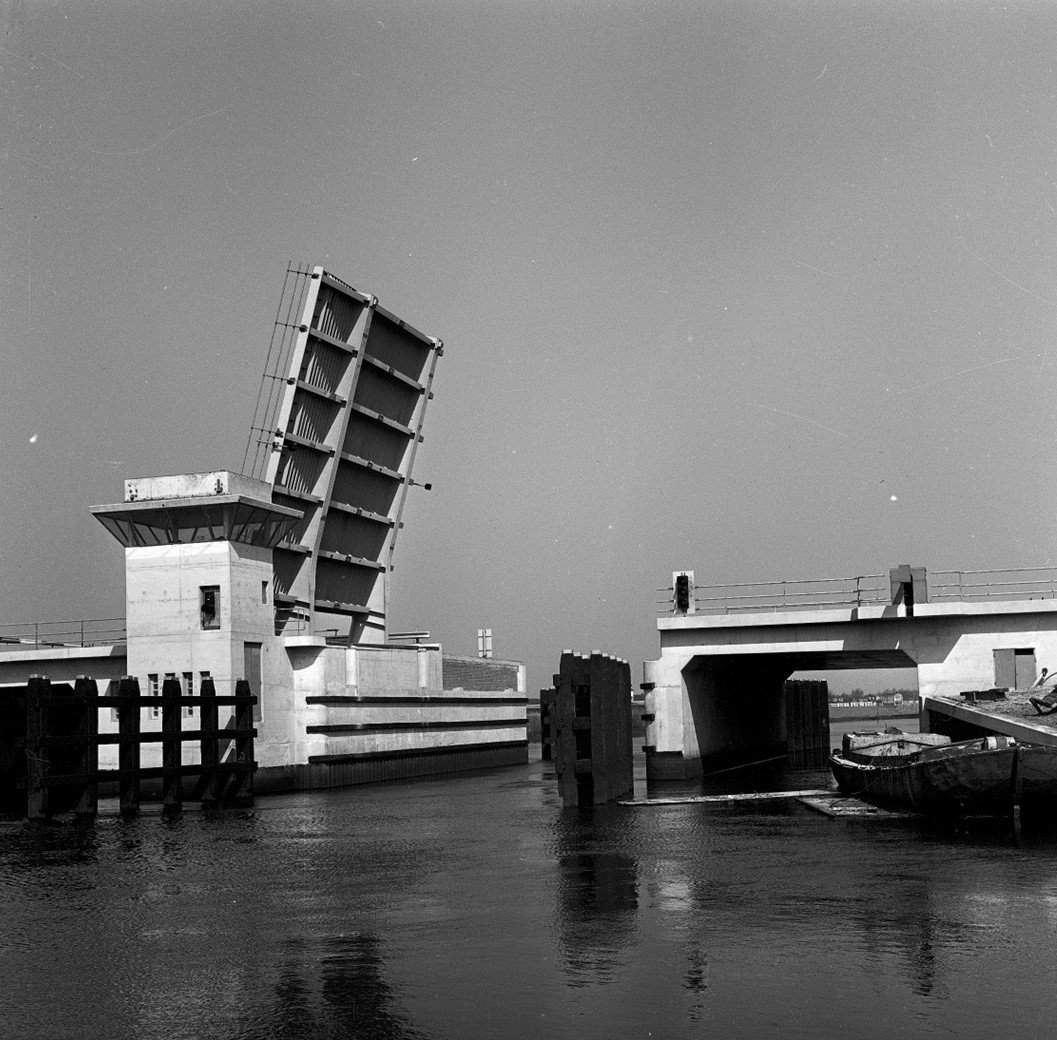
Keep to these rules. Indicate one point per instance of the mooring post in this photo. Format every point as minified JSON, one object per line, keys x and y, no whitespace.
{"x":1017,"y":791}
{"x":171,"y":757}
{"x":626,"y":750}
{"x":128,"y":713}
{"x":601,"y":729}
{"x":580,"y":669}
{"x":242,"y":789}
{"x":38,"y":692}
{"x":793,"y":691}
{"x":564,"y":734}
{"x":547,"y":724}
{"x":592,"y":729}
{"x":822,"y":726}
{"x":208,"y":782}
{"x":86,"y":692}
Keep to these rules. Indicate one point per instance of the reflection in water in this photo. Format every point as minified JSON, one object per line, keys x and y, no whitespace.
{"x":597,"y":901}
{"x":672,"y":894}
{"x":292,"y":1015}
{"x":478,"y":908}
{"x":694,"y":980}
{"x":909,"y":930}
{"x":35,"y":845}
{"x":336,"y":990}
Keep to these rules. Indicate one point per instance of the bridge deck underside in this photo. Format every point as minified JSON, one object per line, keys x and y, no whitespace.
{"x":813,"y":660}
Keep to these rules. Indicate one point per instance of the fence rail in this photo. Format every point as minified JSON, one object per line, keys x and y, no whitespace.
{"x":82,"y":632}
{"x":1007,"y":583}
{"x":796,"y":594}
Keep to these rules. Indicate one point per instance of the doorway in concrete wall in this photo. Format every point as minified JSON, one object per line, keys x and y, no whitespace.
{"x":252,"y":671}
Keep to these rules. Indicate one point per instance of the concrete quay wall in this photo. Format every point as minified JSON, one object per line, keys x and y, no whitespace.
{"x":329,"y":716}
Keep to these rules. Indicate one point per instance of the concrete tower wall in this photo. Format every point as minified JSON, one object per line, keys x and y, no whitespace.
{"x":164,"y":618}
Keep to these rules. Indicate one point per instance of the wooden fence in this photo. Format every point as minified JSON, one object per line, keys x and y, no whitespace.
{"x":60,"y":770}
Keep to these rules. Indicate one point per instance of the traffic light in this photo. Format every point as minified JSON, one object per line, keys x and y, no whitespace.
{"x":682,"y":593}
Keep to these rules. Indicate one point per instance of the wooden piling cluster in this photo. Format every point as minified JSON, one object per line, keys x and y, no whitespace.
{"x":807,"y":722}
{"x":588,"y":724}
{"x":547,"y":724}
{"x":63,"y":739}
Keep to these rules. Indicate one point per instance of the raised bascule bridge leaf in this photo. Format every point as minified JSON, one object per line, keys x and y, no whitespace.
{"x":337,"y":425}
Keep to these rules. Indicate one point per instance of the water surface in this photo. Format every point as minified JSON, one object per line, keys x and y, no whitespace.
{"x":478,"y":907}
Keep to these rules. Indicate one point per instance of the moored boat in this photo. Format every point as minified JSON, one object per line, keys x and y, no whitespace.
{"x":927,"y":773}
{"x":1036,"y":781}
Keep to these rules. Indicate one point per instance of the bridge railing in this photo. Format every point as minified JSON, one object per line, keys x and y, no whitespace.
{"x":796,"y":594}
{"x":980,"y":586}
{"x":82,"y":632}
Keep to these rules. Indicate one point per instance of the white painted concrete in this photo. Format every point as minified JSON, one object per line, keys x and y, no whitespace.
{"x":709,"y":663}
{"x":316,"y":701}
{"x":1021,"y":729}
{"x":61,"y":663}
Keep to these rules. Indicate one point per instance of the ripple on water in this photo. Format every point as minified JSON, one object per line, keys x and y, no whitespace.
{"x":461,"y":908}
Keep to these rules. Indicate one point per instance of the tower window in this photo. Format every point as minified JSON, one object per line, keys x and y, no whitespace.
{"x":209,"y":605}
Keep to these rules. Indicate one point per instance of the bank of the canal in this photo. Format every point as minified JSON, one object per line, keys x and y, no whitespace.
{"x":480,"y":908}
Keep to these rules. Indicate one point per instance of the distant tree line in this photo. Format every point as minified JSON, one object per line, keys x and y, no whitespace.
{"x":886,"y":695}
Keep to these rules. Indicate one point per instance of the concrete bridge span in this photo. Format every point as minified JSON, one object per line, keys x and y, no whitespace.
{"x":714,"y":696}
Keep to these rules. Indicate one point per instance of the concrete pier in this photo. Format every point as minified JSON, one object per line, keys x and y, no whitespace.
{"x":1012,"y":716}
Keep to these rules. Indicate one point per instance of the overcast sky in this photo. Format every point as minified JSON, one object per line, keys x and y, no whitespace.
{"x":759,"y":290}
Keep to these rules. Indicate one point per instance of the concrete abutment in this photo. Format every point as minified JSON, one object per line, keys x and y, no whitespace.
{"x":714,"y":696}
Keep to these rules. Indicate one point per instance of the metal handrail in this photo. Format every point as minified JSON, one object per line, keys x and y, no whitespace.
{"x":1004,"y":583}
{"x":80,"y":632}
{"x":788,"y":581}
{"x":792,"y":581}
{"x":790,"y":594}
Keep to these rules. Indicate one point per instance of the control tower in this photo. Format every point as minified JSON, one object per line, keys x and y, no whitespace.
{"x":199,"y":581}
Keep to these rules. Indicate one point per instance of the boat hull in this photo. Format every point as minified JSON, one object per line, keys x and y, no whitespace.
{"x":967,"y":779}
{"x":1037,"y":781}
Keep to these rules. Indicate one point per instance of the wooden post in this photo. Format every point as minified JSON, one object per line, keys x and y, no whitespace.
{"x":796,"y":704}
{"x":1017,"y":792}
{"x":242,"y":788}
{"x":580,"y":667}
{"x":128,"y":712}
{"x":600,"y":731}
{"x":811,"y":719}
{"x":171,"y":756}
{"x":86,"y":691}
{"x":565,"y":735}
{"x":626,"y":750}
{"x":822,"y":725}
{"x":210,"y":748}
{"x":591,"y":726}
{"x":547,"y":725}
{"x":38,"y":695}
{"x":825,"y":725}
